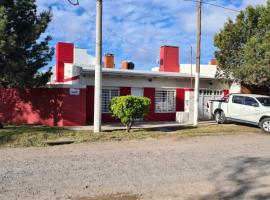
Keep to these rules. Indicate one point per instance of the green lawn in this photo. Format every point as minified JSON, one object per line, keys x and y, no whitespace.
{"x":25,"y":136}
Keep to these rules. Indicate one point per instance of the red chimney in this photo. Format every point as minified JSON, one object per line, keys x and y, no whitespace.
{"x":169,"y":59}
{"x":64,"y":54}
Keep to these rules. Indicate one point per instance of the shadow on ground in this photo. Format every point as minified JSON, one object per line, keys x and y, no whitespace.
{"x":169,"y":129}
{"x":242,"y":178}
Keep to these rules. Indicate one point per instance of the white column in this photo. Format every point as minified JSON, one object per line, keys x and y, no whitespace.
{"x":98,"y":72}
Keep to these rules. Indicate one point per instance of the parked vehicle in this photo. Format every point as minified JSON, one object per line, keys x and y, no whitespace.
{"x":244,"y":108}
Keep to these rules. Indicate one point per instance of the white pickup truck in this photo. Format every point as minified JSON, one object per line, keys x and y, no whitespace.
{"x":244,"y":108}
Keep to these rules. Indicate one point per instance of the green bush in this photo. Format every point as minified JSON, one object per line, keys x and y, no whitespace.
{"x":129,"y":108}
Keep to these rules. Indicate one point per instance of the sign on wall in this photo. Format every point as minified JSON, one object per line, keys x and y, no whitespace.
{"x":74,"y":91}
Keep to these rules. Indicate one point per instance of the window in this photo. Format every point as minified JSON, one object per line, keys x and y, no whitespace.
{"x":249,"y":101}
{"x":165,"y":101}
{"x":107,"y":95}
{"x":265,"y":101}
{"x":238,"y":100}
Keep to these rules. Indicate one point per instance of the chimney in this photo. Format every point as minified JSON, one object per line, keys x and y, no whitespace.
{"x":127,"y":65}
{"x":109,"y":61}
{"x":213,"y":62}
{"x":169,"y":59}
{"x":64,"y":54}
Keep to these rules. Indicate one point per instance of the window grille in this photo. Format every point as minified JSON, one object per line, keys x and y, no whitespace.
{"x":165,"y":101}
{"x":107,"y":95}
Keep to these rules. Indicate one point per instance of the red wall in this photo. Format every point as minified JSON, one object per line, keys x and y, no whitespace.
{"x":169,"y":59}
{"x":64,"y":54}
{"x":89,"y":105}
{"x":55,"y":106}
{"x":48,"y":106}
{"x":180,"y":99}
{"x":124,"y":91}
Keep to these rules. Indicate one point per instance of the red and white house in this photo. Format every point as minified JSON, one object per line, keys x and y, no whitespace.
{"x":165,"y":85}
{"x":72,"y":86}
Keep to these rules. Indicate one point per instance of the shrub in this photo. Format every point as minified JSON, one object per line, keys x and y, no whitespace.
{"x":129,"y":108}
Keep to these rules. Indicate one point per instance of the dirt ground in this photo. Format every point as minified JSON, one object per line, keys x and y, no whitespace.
{"x":210,"y":167}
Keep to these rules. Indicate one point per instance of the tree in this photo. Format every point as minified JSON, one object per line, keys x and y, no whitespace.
{"x":129,"y":108}
{"x":23,"y":52}
{"x":243,"y":49}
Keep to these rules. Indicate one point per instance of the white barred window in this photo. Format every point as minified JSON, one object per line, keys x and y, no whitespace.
{"x":107,"y":95}
{"x":164,"y":101}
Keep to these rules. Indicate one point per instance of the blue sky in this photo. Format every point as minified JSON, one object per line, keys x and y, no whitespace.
{"x":135,"y":29}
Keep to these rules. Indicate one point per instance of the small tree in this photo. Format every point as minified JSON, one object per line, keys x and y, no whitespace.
{"x":129,"y":108}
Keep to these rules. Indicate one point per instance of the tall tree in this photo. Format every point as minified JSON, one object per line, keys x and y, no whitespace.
{"x":243,"y":47}
{"x":23,"y":48}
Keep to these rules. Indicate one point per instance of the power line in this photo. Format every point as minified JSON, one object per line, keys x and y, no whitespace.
{"x":216,"y":5}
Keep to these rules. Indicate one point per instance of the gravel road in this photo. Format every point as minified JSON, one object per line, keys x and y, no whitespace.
{"x":222,"y":167}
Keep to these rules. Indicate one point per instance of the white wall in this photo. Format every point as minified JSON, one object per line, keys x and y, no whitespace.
{"x":127,"y":81}
{"x":81,"y":58}
{"x":71,"y":71}
{"x":206,"y":70}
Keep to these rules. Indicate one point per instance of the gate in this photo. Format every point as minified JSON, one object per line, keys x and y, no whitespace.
{"x":204,"y":97}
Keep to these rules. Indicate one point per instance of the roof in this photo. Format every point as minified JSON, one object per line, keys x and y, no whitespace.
{"x":141,"y":73}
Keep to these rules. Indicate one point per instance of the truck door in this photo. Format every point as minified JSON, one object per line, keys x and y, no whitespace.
{"x":236,"y":107}
{"x":251,"y":111}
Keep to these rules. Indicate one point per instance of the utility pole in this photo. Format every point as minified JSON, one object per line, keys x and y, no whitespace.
{"x":98,"y":68}
{"x":198,"y":60}
{"x":191,"y":73}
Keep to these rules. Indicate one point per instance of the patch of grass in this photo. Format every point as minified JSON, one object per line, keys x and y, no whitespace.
{"x":215,"y":129}
{"x":26,"y":136}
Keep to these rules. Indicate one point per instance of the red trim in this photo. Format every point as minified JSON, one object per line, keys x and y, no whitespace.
{"x":89,"y":104}
{"x":108,"y":118}
{"x":124,"y":91}
{"x":71,"y":78}
{"x":180,"y":99}
{"x":189,"y":89}
{"x":64,"y":54}
{"x":226,"y":92}
{"x":150,"y":93}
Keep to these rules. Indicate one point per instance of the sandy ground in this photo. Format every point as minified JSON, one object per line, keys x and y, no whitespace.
{"x":217,"y":167}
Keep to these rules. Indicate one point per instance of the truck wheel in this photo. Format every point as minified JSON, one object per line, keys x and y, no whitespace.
{"x":265,"y":125}
{"x":220,"y":117}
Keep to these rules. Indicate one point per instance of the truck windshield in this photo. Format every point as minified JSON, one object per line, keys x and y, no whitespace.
{"x":265,"y":101}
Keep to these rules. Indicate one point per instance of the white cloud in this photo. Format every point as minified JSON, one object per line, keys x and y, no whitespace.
{"x":136,"y":29}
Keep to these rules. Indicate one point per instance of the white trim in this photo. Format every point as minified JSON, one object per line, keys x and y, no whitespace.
{"x":150,"y":74}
